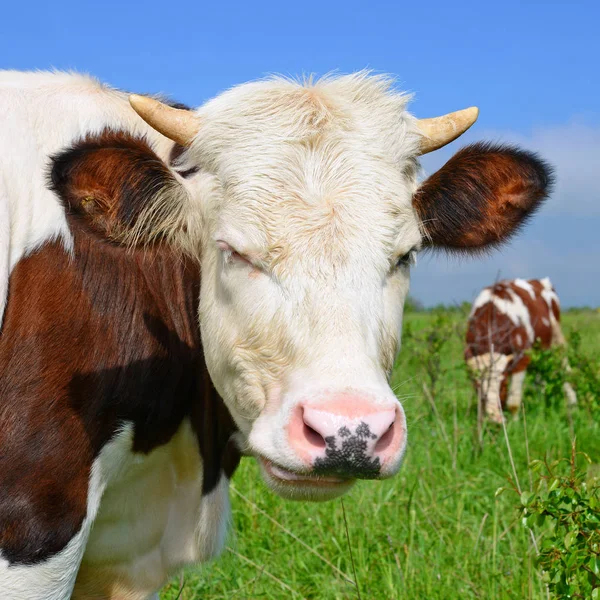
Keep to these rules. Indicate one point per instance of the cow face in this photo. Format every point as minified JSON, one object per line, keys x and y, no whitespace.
{"x":301,"y":203}
{"x":306,"y":256}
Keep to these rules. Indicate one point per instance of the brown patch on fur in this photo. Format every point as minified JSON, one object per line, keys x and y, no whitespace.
{"x":503,"y":391}
{"x":490,"y":328}
{"x":89,"y":342}
{"x":481,"y":196}
{"x":109,"y":337}
{"x":537,"y":286}
{"x":501,"y":291}
{"x":519,"y":364}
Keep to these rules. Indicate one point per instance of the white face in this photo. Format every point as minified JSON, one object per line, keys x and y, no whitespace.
{"x":309,"y":233}
{"x":490,"y":371}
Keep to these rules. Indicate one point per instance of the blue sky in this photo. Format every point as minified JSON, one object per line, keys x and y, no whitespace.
{"x":532,"y":68}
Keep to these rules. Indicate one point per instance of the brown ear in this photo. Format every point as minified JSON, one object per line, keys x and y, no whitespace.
{"x":116,"y":186}
{"x":481,"y":196}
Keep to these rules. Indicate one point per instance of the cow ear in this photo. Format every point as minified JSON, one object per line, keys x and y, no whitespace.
{"x":481,"y":197}
{"x":116,"y":186}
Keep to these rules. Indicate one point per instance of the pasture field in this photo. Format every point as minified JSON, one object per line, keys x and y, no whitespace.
{"x":437,"y":530}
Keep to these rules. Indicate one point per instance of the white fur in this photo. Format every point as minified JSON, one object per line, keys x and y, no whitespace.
{"x":153,"y":518}
{"x":515,"y":394}
{"x":489,"y":370}
{"x":525,"y":285}
{"x":550,"y":296}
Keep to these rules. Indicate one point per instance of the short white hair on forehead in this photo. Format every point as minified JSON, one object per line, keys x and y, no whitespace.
{"x":298,"y":109}
{"x":305,"y":161}
{"x":302,"y":109}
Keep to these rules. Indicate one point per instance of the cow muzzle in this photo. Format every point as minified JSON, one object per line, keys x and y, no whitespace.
{"x":337,"y":440}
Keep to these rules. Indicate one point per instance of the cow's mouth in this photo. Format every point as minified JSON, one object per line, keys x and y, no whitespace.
{"x":292,"y":484}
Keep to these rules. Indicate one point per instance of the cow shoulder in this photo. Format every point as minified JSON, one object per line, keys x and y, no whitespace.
{"x":46,"y":453}
{"x":92,"y":339}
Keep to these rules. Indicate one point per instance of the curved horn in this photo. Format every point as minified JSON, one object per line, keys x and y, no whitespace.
{"x":177,"y":124}
{"x":439,"y":131}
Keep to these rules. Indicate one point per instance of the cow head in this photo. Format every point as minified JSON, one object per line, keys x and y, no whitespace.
{"x":489,"y":374}
{"x":304,"y":210}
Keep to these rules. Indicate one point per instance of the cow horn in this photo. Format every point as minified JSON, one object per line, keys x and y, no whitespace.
{"x":439,"y":131}
{"x":177,"y":124}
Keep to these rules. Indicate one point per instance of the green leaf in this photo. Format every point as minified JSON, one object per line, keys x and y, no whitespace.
{"x":525,"y":498}
{"x":570,"y":538}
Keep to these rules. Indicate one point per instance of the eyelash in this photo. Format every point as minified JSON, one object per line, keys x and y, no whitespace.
{"x":230,"y":254}
{"x":233,"y":255}
{"x":406,"y":259}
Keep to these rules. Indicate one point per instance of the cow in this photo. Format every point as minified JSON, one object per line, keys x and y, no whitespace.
{"x":506,"y":319}
{"x":179,"y":287}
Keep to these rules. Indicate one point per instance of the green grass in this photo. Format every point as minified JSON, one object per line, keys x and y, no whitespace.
{"x":436,"y":530}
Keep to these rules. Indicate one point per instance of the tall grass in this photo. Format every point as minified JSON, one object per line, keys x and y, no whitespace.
{"x":437,"y":530}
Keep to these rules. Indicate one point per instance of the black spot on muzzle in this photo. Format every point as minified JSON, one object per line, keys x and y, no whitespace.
{"x":350,"y":459}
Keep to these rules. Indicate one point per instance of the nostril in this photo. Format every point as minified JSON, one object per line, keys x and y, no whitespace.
{"x":385,"y":440}
{"x":313,"y":437}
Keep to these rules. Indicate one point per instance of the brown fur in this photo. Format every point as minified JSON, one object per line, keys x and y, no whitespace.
{"x":91,"y":341}
{"x":111,"y":181}
{"x":481,"y":196}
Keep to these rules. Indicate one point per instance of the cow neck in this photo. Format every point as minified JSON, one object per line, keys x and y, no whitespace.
{"x":107,"y":337}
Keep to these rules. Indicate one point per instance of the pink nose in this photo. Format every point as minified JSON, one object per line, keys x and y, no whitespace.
{"x":347,"y":436}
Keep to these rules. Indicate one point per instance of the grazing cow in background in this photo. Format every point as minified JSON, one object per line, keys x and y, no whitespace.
{"x":505,"y":321}
{"x":282,"y":218}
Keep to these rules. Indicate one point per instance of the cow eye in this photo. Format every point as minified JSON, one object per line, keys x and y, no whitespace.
{"x":406,"y":259}
{"x":231,"y":254}
{"x":234,"y":255}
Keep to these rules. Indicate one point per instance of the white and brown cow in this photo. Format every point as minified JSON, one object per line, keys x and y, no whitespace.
{"x":284,"y":220}
{"x":505,"y":321}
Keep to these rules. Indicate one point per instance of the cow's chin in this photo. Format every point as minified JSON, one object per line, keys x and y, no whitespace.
{"x":299,"y":486}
